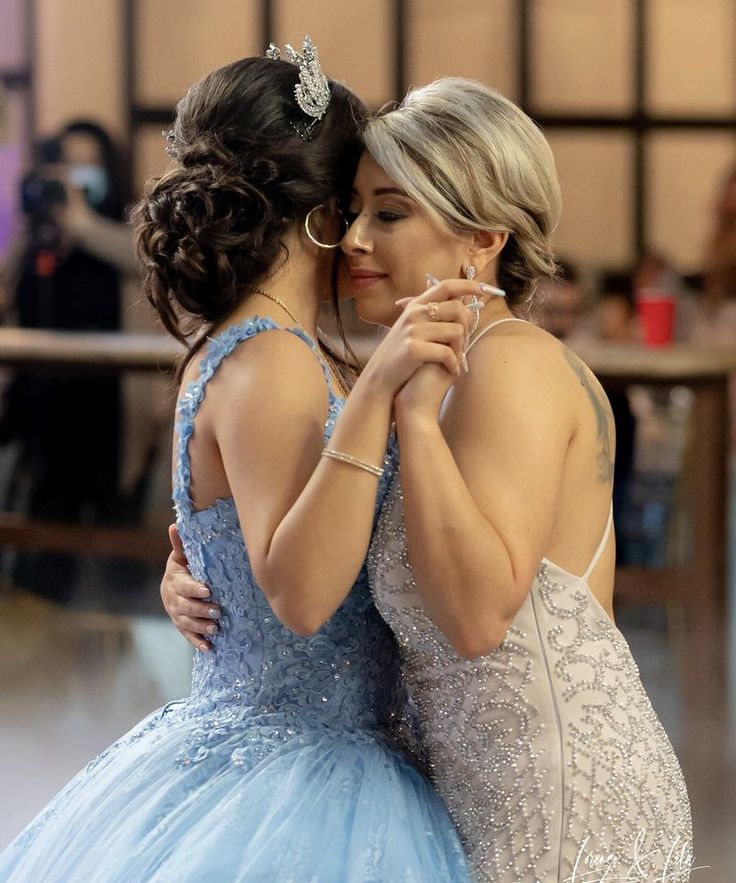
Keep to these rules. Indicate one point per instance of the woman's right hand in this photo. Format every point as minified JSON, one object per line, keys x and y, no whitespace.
{"x":415,"y":339}
{"x":182,"y":597}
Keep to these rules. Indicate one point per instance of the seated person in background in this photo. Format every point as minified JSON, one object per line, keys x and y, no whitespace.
{"x":562,"y":307}
{"x":654,"y":272}
{"x":616,"y":309}
{"x":617,"y":316}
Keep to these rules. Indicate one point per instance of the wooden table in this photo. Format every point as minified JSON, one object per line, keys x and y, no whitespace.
{"x":700,"y":585}
{"x":99,"y":352}
{"x":79,"y":352}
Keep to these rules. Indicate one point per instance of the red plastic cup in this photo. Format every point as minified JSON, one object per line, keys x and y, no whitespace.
{"x":656,"y":310}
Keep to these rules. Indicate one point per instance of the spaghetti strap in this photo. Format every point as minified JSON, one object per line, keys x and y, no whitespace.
{"x":488,"y":328}
{"x":601,"y":545}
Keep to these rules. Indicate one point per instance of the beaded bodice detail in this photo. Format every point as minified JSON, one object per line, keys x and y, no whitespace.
{"x":344,"y":677}
{"x":546,"y":751}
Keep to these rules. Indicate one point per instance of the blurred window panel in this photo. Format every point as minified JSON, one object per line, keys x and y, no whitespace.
{"x":13,"y":44}
{"x":355,"y":40}
{"x":582,"y":56}
{"x":684,"y":173}
{"x":179,"y":41}
{"x":595,"y":170}
{"x":78,"y":71}
{"x":691,"y":50}
{"x":13,"y":161}
{"x":466,"y":38}
{"x":14,"y":115}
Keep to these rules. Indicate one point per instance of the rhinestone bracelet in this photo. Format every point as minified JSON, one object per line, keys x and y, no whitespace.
{"x":353,"y":461}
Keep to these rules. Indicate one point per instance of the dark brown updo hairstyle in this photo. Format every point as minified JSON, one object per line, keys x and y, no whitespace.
{"x":212,"y":227}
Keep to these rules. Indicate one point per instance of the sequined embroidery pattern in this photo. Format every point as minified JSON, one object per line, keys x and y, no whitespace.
{"x":547,"y":750}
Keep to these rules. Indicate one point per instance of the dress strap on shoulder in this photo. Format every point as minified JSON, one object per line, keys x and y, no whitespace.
{"x":225,"y":343}
{"x":601,"y":545}
{"x":218,"y":349}
{"x":488,"y":328}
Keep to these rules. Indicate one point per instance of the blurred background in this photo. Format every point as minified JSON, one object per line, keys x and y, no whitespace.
{"x":638,"y":100}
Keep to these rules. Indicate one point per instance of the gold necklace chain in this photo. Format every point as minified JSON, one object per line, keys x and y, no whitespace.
{"x":323,"y":357}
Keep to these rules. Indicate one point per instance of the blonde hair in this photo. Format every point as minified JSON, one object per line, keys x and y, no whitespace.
{"x":476,"y":161}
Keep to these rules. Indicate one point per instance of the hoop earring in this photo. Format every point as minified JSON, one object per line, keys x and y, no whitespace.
{"x":313,"y":238}
{"x":470,"y":273}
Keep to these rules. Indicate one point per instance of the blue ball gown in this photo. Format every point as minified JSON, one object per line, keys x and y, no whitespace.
{"x":282,"y":766}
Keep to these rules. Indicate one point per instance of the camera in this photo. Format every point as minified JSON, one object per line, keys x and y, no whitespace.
{"x":39,"y":194}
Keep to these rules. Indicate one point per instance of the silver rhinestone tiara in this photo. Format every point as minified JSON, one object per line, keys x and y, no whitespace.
{"x":312,"y":92}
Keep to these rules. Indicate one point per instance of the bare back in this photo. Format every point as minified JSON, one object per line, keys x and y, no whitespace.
{"x":581,"y":501}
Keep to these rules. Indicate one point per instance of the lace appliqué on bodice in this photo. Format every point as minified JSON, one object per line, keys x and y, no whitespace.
{"x":346,"y":676}
{"x":547,"y":750}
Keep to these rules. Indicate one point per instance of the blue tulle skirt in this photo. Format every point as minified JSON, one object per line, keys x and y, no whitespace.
{"x":176,"y":801}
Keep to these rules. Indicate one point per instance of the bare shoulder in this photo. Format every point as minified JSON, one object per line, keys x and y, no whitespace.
{"x":530,"y":386}
{"x":275,"y":362}
{"x":272,"y":371}
{"x":534,"y":354}
{"x":517,"y":340}
{"x":519,"y":359}
{"x":523,"y":372}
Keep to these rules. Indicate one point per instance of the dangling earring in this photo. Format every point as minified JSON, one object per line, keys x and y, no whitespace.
{"x":470,"y":273}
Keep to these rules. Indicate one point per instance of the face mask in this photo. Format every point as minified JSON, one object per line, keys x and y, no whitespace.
{"x":91,"y":179}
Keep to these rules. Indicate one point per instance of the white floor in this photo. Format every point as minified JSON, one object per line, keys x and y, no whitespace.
{"x":70,"y":684}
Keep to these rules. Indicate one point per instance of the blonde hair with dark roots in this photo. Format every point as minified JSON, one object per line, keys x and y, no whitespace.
{"x":476,"y":162}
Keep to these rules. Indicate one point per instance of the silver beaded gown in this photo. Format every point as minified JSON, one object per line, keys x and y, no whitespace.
{"x":547,"y":751}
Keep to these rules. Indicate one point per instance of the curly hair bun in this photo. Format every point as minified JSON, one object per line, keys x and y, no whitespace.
{"x":205,"y":230}
{"x":213,"y":225}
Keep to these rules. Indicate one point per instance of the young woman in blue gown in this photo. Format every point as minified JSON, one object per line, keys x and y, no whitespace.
{"x":290,"y":759}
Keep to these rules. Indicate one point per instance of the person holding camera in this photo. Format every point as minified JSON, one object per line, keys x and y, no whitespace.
{"x":68,"y":275}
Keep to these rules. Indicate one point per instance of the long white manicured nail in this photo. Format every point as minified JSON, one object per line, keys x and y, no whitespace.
{"x":491,"y":289}
{"x":478,"y":305}
{"x":431,"y":279}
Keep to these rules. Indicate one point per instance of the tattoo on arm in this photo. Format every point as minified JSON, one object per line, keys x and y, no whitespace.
{"x":602,"y":416}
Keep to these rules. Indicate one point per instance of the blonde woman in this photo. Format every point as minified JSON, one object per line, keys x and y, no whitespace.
{"x":493,"y":560}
